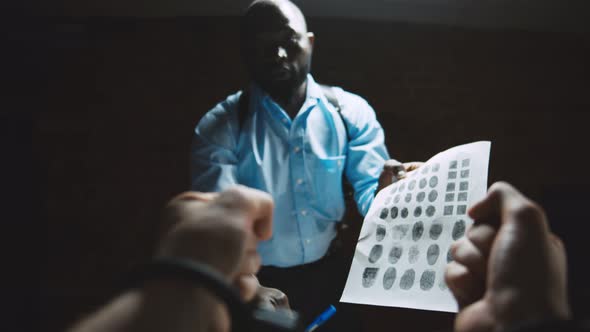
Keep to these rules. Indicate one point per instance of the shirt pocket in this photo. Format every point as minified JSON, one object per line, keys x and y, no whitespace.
{"x":326,"y":181}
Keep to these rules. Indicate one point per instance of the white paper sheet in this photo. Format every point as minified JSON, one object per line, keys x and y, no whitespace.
{"x":403,"y":245}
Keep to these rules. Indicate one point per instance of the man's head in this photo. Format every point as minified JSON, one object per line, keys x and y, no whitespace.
{"x":276,"y":46}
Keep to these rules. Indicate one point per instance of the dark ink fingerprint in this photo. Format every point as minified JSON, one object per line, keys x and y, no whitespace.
{"x":383,"y":213}
{"x":413,"y":254}
{"x":449,"y":256}
{"x":412,"y":185}
{"x":369,"y":276}
{"x":404,"y":212}
{"x":376,"y":252}
{"x":462,"y":197}
{"x":407,"y":280}
{"x":464,"y":185}
{"x":465,"y":163}
{"x":417,"y":211}
{"x":425,"y":169}
{"x":402,"y":187}
{"x":417,"y":231}
{"x":449,"y":197}
{"x":432,"y":195}
{"x":393,"y":189}
{"x":453,"y":164}
{"x":465,"y":173}
{"x":380,"y":234}
{"x":408,"y":198}
{"x":451,"y":186}
{"x":435,"y":231}
{"x":432,"y":254}
{"x":395,"y":253}
{"x":422,"y":183}
{"x":458,"y":229}
{"x":461,"y":209}
{"x":448,"y":210}
{"x":396,"y":199}
{"x":452,"y":175}
{"x":400,"y":231}
{"x":420,"y":197}
{"x":427,"y":279}
{"x":433,"y":181}
{"x":430,"y":211}
{"x":394,"y":212}
{"x":435,"y":167}
{"x":389,"y":277}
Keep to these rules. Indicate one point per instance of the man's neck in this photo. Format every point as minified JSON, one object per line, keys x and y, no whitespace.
{"x":292,"y":103}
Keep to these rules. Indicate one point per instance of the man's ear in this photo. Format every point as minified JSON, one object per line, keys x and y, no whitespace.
{"x":311,"y":38}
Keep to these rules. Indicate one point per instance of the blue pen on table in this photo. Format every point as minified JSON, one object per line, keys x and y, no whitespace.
{"x":321,"y":319}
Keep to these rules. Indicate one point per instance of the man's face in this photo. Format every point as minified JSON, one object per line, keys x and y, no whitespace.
{"x":277,"y":52}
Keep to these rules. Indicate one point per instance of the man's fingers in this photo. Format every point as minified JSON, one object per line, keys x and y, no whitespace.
{"x":178,"y":208}
{"x":196,"y":196}
{"x":488,"y":209}
{"x":413,"y":165}
{"x":482,"y":237}
{"x":272,"y":299}
{"x":500,"y":197}
{"x":255,"y":204}
{"x":505,"y":204}
{"x":251,"y":263}
{"x":465,"y":286}
{"x":475,"y":318}
{"x":392,"y":170}
{"x":248,"y":286}
{"x":464,"y":252}
{"x":392,"y":165}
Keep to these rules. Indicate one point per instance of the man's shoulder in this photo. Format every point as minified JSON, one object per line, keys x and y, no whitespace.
{"x":225,"y":108}
{"x":347,"y":97}
{"x":354,"y":108}
{"x":223,"y":114}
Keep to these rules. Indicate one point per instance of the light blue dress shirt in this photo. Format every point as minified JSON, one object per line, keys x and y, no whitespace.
{"x":300,"y":162}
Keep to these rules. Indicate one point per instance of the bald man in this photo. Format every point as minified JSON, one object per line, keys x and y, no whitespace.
{"x":288,"y":136}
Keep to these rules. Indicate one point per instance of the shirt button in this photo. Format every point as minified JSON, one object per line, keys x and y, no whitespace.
{"x":296,"y":149}
{"x":304,"y":212}
{"x":299,"y":181}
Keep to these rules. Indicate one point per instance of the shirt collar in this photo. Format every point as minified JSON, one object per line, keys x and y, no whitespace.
{"x":314,"y":91}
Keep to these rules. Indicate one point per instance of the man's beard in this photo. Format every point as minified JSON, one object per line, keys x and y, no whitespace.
{"x":284,"y":90}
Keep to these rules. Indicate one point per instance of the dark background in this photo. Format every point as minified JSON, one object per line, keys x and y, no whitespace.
{"x":121,"y":96}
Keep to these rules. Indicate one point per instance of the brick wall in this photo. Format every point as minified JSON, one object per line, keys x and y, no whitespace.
{"x":125,"y":94}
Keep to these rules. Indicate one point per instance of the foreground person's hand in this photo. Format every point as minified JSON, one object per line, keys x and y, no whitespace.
{"x":509,"y":268}
{"x":220,"y":230}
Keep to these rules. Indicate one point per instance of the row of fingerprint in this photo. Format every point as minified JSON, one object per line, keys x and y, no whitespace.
{"x":399,"y":231}
{"x":454,"y":163}
{"x":406,"y":281}
{"x":432,"y":182}
{"x":396,"y":252}
{"x":394,"y":212}
{"x":432,"y":196}
{"x":403,"y":213}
